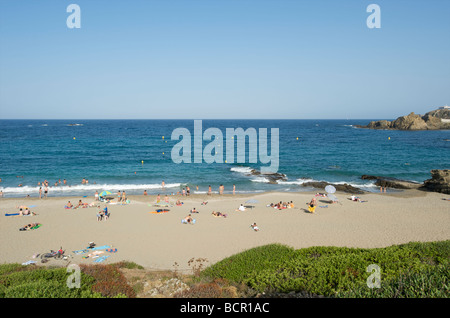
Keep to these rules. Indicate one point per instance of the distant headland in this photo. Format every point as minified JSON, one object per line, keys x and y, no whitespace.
{"x":433,"y":120}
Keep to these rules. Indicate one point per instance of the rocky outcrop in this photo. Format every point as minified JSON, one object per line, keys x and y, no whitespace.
{"x":392,"y":182}
{"x":439,"y":182}
{"x":339,"y":187}
{"x":433,"y":120}
{"x":271,"y":177}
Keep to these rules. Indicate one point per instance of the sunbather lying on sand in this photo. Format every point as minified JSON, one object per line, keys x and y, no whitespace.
{"x":356,"y":199}
{"x":29,"y":226}
{"x":189,"y":219}
{"x":218,"y":214}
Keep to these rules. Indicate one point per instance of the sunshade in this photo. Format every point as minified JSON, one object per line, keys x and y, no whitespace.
{"x":105,"y":193}
{"x":330,"y":189}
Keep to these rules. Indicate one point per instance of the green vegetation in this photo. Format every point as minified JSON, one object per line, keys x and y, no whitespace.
{"x":408,"y":270}
{"x":413,"y":270}
{"x":96,"y":281}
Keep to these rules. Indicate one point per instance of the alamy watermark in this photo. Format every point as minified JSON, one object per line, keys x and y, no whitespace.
{"x":74,"y":279}
{"x":374,"y":279}
{"x":213,"y":152}
{"x":374,"y":19}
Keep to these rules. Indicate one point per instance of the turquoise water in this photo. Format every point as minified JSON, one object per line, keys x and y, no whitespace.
{"x":109,"y":153}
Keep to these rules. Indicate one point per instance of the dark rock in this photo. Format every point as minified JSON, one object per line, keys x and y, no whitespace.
{"x":439,"y":182}
{"x":392,"y":182}
{"x":272,"y":177}
{"x":339,"y":187}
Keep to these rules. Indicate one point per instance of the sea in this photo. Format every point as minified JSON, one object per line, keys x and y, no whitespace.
{"x":136,"y":156}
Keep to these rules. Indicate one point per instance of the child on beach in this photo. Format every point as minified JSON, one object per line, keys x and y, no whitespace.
{"x":254,"y":227}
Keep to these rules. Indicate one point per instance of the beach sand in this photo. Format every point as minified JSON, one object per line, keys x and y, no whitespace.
{"x":162,"y":242}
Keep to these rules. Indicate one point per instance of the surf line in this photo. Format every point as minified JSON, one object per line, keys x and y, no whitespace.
{"x":213,"y":152}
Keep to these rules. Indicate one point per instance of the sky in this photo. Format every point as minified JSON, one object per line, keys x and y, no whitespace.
{"x":223,"y":59}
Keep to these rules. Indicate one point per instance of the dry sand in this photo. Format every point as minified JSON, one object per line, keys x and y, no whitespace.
{"x":161,"y":241}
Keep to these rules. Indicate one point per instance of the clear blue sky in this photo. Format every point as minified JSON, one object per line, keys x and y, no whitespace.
{"x":223,"y":59}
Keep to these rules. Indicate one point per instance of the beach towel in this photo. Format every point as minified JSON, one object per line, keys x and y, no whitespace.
{"x":186,"y":222}
{"x":87,"y":249}
{"x":29,"y":262}
{"x":160,"y":211}
{"x":101,"y":259}
{"x":10,"y":214}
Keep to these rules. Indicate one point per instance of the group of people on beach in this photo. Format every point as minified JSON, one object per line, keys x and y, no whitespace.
{"x":24,"y":210}
{"x":282,"y":205}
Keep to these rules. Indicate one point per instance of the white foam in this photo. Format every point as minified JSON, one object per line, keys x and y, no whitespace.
{"x":89,"y":187}
{"x":298,"y":181}
{"x":243,"y":170}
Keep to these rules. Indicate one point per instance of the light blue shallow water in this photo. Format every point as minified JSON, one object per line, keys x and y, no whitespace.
{"x":109,"y":153}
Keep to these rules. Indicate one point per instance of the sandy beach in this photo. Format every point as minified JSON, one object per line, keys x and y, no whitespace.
{"x":161,"y":241}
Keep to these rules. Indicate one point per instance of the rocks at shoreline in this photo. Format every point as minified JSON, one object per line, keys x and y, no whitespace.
{"x":439,"y":182}
{"x":392,"y":182}
{"x":339,"y":187}
{"x":272,"y":178}
{"x":433,"y":120}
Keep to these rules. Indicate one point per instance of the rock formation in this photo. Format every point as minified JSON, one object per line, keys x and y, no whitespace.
{"x":436,"y":119}
{"x":339,"y":187}
{"x":271,"y":177}
{"x":439,"y":182}
{"x":392,"y":182}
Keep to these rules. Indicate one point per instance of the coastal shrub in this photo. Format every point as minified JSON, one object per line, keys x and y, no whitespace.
{"x":326,"y":270}
{"x":34,"y":282}
{"x":108,"y":280}
{"x":237,"y":267}
{"x":432,"y":282}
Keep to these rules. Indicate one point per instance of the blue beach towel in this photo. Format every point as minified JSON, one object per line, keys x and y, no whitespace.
{"x":101,"y":259}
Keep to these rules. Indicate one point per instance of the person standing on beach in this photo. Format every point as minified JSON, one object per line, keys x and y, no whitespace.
{"x":188,"y":190}
{"x":40,"y":192}
{"x":45,"y":192}
{"x":96,"y":195}
{"x":209,"y":190}
{"x":234,"y":189}
{"x":162,"y":184}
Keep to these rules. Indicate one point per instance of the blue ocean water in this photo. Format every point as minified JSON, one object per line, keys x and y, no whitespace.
{"x":135,"y":155}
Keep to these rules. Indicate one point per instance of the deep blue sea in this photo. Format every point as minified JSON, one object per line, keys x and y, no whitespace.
{"x":135,"y":155}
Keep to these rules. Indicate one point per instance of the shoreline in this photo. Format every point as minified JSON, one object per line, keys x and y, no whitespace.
{"x":162,"y":242}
